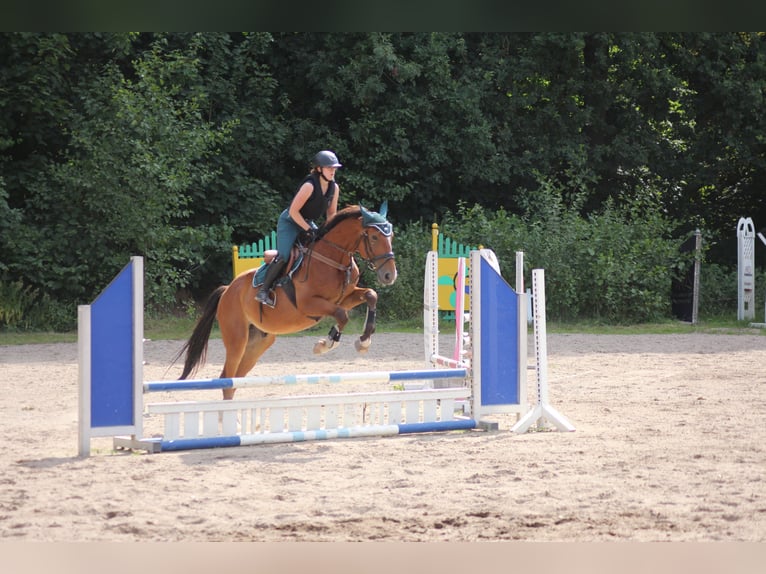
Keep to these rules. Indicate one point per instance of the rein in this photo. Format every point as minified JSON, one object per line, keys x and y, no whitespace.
{"x":327,"y":261}
{"x":372,"y":264}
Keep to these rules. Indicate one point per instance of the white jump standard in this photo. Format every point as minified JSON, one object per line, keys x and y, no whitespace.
{"x":746,"y":271}
{"x":490,"y":378}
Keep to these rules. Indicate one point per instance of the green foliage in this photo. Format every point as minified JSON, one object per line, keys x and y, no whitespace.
{"x":718,"y":291}
{"x":15,"y":302}
{"x":404,"y":299}
{"x":23,"y":308}
{"x":631,"y":258}
{"x":136,"y":147}
{"x":616,"y":266}
{"x":582,"y":149}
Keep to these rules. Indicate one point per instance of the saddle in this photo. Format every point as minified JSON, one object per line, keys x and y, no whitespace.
{"x":293,"y":263}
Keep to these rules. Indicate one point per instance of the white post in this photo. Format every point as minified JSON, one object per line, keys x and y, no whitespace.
{"x":761,"y":325}
{"x":83,"y":361}
{"x":697,"y":263}
{"x":431,"y":307}
{"x":745,"y":269}
{"x":542,"y":411}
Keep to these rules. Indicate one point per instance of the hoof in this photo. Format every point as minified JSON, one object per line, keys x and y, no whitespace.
{"x":323,"y":346}
{"x":362,"y":346}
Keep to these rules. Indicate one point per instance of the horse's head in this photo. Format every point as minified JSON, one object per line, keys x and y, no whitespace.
{"x":354,"y":229}
{"x":376,"y":248}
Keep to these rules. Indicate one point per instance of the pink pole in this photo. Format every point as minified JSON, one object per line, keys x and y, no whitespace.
{"x":459,"y":312}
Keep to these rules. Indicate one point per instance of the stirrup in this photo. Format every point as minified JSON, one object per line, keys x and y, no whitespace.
{"x":264,"y":296}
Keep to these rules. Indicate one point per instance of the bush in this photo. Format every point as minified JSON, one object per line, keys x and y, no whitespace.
{"x":23,"y":308}
{"x":404,"y":299}
{"x":615,"y":266}
{"x":718,"y":291}
{"x":15,"y":302}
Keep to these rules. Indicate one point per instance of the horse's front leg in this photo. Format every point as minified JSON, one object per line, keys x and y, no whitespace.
{"x":355,"y":298}
{"x":332,"y":339}
{"x":362,"y":344}
{"x":340,"y":313}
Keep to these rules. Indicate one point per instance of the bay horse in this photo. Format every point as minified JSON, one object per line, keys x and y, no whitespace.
{"x":324,"y":285}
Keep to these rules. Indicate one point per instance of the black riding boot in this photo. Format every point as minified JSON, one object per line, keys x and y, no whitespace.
{"x":273,"y":271}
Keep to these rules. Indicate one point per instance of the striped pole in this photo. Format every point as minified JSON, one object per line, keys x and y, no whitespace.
{"x":322,"y":434}
{"x":260,"y":381}
{"x":446,"y":361}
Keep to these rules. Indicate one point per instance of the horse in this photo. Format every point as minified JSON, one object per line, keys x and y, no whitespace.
{"x":324,"y":284}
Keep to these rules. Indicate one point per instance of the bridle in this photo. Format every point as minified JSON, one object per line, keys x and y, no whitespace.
{"x":373,"y":263}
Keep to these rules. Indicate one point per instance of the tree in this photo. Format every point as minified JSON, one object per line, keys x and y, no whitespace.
{"x":720,"y":174}
{"x":175,"y":145}
{"x":118,"y":184}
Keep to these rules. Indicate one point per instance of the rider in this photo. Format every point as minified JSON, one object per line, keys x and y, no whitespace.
{"x":316,"y":196}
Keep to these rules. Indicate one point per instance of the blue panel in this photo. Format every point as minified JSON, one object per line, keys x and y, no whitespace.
{"x":499,"y":339}
{"x":112,"y":353}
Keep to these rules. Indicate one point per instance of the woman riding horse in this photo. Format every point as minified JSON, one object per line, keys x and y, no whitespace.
{"x":316,"y":196}
{"x":324,"y":285}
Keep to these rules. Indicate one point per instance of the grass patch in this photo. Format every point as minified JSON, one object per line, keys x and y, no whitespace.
{"x":35,"y":337}
{"x":180,"y":327}
{"x":175,"y":327}
{"x":713,"y":325}
{"x":169,"y":328}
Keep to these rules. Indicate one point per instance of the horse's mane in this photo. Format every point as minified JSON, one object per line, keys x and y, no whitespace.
{"x":341,"y":216}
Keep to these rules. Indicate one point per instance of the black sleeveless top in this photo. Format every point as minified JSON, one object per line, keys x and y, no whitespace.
{"x":316,"y":205}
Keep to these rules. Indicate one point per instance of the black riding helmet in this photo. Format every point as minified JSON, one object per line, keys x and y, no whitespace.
{"x":326,"y":159}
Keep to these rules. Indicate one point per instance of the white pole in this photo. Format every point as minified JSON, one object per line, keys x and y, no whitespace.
{"x":541,"y":335}
{"x":457,"y":353}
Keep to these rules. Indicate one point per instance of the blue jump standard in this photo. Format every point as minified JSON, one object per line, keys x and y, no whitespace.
{"x":326,"y":434}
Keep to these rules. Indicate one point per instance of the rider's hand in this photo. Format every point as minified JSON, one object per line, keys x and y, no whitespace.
{"x":310,"y":234}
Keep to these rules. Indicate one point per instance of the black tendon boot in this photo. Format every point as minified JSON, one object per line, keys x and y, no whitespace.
{"x":272,"y":272}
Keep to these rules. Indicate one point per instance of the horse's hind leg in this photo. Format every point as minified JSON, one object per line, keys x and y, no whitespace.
{"x":258,"y":343}
{"x":243,"y":352}
{"x":234,"y":335}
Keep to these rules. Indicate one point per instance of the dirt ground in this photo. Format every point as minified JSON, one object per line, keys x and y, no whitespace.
{"x":670,"y":445}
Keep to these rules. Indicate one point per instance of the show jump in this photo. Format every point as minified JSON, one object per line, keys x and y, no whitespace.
{"x":485,"y":375}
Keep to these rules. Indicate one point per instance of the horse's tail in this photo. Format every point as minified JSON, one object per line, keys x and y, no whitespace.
{"x":196,"y":347}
